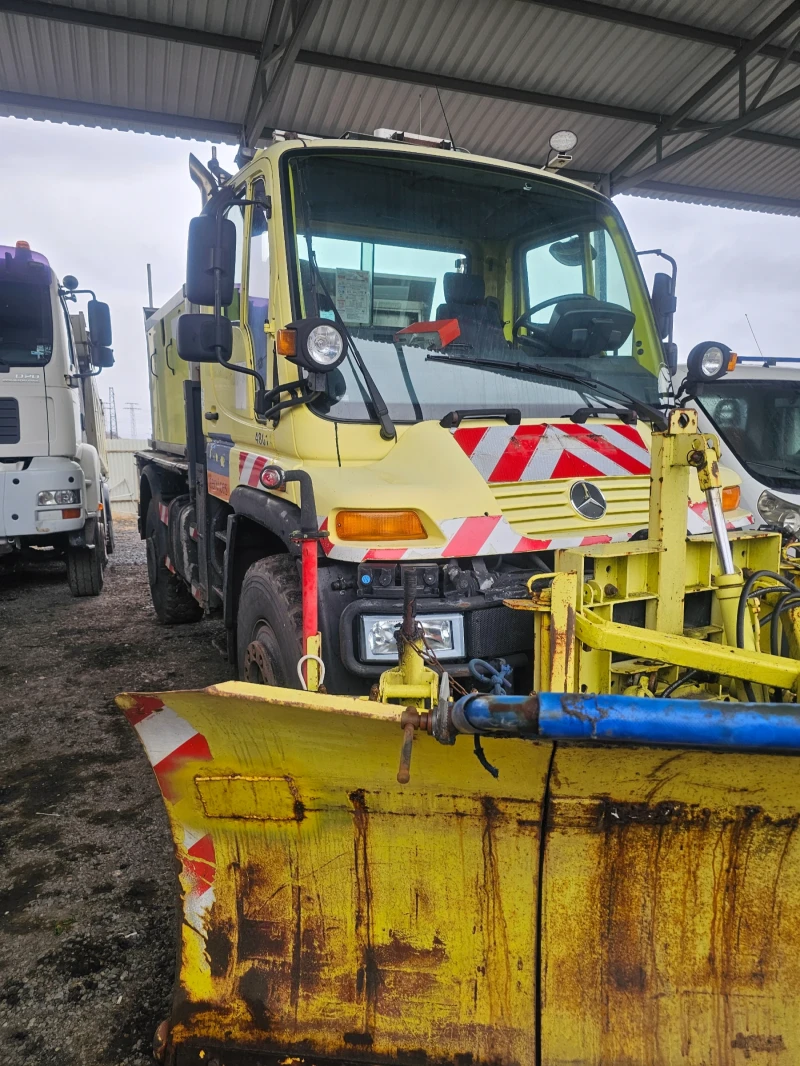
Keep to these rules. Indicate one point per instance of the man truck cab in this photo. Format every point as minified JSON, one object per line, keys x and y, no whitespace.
{"x":53,"y":487}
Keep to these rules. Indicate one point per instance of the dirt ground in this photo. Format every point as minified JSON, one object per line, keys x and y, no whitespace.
{"x":86,"y":869}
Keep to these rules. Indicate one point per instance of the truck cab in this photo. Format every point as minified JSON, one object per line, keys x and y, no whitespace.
{"x":461,"y":355}
{"x":53,"y":491}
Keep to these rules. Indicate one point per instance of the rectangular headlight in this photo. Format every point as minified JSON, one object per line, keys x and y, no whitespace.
{"x":443,"y":632}
{"x":56,"y":497}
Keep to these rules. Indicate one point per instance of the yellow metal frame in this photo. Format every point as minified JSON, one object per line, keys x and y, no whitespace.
{"x":578,"y":641}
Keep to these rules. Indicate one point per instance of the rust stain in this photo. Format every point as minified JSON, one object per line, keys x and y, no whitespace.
{"x":497,"y":961}
{"x":368,"y":974}
{"x":754,"y":1042}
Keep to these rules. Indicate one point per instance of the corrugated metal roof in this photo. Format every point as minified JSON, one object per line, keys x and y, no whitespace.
{"x":369,"y":63}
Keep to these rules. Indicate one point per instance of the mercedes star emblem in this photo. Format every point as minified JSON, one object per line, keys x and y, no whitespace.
{"x":588,"y":500}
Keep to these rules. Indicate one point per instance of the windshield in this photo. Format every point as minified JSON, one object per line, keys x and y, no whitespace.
{"x":396,"y":240}
{"x":26,"y":320}
{"x":760,"y":422}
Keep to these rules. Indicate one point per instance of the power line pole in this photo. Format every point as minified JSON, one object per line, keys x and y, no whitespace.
{"x":132,"y":408}
{"x":113,"y":429}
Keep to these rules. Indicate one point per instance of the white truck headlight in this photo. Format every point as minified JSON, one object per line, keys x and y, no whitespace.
{"x":58,"y":497}
{"x":444,"y":634}
{"x":779,"y":512}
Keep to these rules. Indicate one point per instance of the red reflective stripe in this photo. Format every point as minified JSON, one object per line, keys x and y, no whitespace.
{"x":605,"y":447}
{"x":599,"y":539}
{"x":570,"y":465}
{"x":384,"y":554}
{"x":528,"y":545}
{"x":472,"y":535}
{"x":259,"y":463}
{"x":142,"y":708}
{"x":242,"y":461}
{"x":203,"y":849}
{"x":517,"y":454}
{"x":468,"y":439}
{"x":325,"y":542}
{"x":195,"y":747}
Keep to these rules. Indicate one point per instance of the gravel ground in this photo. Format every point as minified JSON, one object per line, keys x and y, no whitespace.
{"x":87,"y":885}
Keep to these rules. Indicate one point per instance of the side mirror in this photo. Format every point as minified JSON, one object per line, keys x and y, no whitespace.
{"x":204,"y":258}
{"x":664,"y":303}
{"x":102,"y":357}
{"x":99,"y":324}
{"x":197,"y":338}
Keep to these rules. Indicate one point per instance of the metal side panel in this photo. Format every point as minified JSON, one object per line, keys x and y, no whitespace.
{"x":330,"y":911}
{"x":671,"y":916}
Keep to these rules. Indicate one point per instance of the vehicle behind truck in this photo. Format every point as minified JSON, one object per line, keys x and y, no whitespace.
{"x":755,"y":408}
{"x":54,"y":500}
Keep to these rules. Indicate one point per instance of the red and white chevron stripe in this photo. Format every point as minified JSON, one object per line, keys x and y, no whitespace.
{"x":250,"y":467}
{"x":541,"y":452}
{"x":466,"y":538}
{"x":169,"y":741}
{"x":697,"y":520}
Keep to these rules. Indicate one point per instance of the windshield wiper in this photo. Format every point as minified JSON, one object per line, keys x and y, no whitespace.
{"x":382,"y":416}
{"x":780,"y":467}
{"x":644,"y":410}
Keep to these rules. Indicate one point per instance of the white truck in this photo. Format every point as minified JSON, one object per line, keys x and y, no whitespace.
{"x":753,"y":403}
{"x":54,"y":499}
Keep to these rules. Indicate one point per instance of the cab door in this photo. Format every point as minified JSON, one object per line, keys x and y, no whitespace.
{"x":230,"y":395}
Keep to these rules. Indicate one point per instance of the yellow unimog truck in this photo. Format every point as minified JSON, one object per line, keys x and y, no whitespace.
{"x":462,"y":357}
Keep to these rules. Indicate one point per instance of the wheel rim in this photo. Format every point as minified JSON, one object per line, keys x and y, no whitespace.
{"x":262,"y":657}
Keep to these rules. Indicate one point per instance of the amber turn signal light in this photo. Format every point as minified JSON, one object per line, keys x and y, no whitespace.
{"x":379,"y":525}
{"x":71,"y":512}
{"x":286,"y":342}
{"x":730,"y":498}
{"x":732,"y":361}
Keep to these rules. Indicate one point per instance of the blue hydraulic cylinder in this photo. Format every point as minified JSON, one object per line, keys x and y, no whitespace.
{"x":632,"y":720}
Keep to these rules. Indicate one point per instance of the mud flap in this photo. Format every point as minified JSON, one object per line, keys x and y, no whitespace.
{"x":329,"y":911}
{"x":671,"y":913}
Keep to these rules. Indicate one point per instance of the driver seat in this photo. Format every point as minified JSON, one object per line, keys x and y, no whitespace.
{"x":478,"y":317}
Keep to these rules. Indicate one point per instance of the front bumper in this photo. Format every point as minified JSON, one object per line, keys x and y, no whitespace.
{"x":20,"y":515}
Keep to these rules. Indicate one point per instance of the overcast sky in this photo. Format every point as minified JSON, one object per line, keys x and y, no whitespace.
{"x":101,"y":205}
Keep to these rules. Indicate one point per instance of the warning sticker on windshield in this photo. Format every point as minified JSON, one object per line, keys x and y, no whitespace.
{"x":352,"y":295}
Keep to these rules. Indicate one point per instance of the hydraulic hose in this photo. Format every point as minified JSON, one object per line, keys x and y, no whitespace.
{"x":747,"y":592}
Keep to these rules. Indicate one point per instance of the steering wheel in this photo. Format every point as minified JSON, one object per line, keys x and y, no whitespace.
{"x":538,"y":331}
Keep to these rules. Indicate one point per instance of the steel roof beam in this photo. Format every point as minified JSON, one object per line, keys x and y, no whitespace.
{"x":668,"y":188}
{"x":83,"y":109}
{"x":636,"y":19}
{"x":522,"y":96}
{"x":277,"y":60}
{"x":246,"y":46}
{"x":162,"y":31}
{"x":791,"y":96}
{"x":752,"y":48}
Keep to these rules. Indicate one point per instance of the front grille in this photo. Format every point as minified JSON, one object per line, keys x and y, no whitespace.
{"x":542,"y":509}
{"x":9,"y":420}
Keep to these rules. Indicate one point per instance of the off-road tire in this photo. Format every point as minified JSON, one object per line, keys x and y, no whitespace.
{"x":172,"y":600}
{"x":108,"y":522}
{"x":85,"y":566}
{"x":270,"y":618}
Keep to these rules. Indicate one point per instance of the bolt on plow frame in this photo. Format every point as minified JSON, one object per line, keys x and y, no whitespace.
{"x":595,"y":873}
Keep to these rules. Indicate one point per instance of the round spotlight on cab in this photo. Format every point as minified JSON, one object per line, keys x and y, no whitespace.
{"x":563,"y":140}
{"x":317,"y":344}
{"x":709,"y":360}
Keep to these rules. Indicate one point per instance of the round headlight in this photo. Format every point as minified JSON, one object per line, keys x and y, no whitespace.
{"x":708,"y":360}
{"x":324,"y":345}
{"x":711,"y":361}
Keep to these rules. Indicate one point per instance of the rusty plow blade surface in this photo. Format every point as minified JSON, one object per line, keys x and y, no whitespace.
{"x":332,"y":914}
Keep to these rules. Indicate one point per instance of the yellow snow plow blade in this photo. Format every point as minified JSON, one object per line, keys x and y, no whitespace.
{"x":330,"y":913}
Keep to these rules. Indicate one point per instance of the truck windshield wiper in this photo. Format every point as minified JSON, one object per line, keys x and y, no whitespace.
{"x":644,"y":410}
{"x":382,"y":416}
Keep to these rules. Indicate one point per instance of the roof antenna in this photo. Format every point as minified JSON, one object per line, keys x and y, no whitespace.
{"x":441,"y":105}
{"x":420,"y":114}
{"x":755,"y":338}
